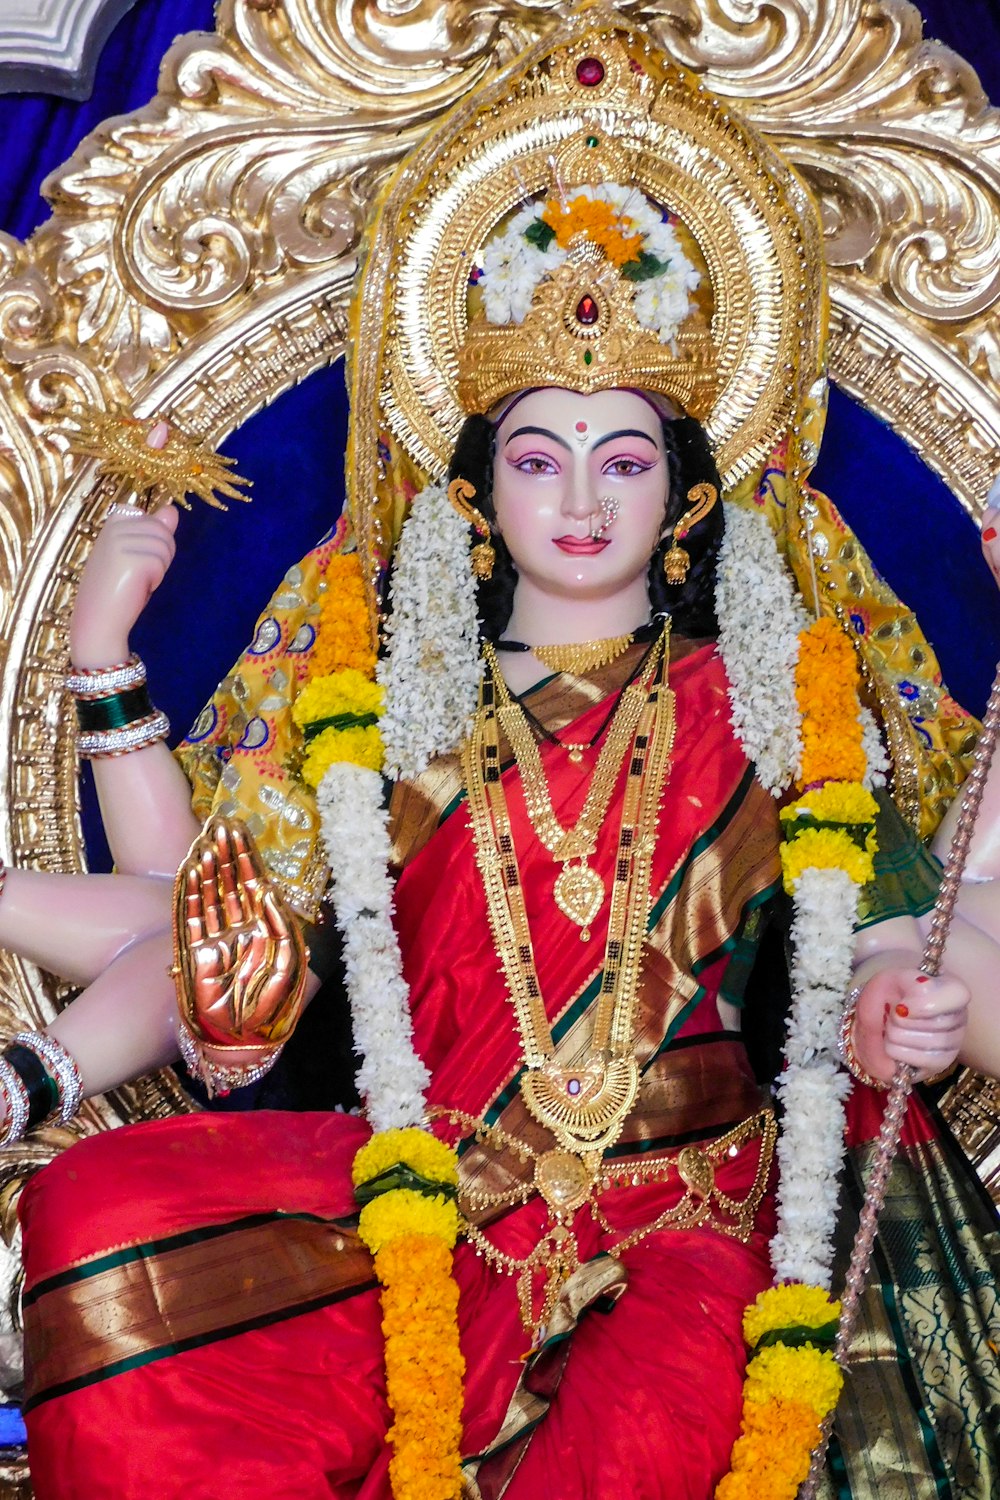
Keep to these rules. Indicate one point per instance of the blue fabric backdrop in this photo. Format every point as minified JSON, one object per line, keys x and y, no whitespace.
{"x":198,"y":622}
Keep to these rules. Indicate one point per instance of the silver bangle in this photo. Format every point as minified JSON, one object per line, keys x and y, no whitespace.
{"x":15,"y":1096}
{"x":63,"y":1067}
{"x":116,"y":679}
{"x":217,"y":1078}
{"x":98,"y":743}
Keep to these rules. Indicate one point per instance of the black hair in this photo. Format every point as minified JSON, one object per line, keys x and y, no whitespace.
{"x":689,"y":461}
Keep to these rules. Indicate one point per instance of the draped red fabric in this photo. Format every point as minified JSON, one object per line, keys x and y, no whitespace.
{"x":650,"y":1398}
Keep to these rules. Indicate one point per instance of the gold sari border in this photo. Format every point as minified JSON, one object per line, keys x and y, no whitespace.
{"x":118,"y":1312}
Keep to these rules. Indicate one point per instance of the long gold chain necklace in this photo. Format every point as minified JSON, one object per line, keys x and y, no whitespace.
{"x":584,"y":1107}
{"x":579,"y":890}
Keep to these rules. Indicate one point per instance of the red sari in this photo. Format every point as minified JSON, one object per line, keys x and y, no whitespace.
{"x":201,"y":1318}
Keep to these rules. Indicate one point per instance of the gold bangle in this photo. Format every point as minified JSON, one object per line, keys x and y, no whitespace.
{"x":846,"y":1045}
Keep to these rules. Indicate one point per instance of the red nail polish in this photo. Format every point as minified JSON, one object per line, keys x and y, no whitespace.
{"x":989,"y":533}
{"x":902,"y":1010}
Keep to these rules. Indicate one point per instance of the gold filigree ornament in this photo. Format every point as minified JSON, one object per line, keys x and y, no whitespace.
{"x":154,"y":457}
{"x":536,"y":162}
{"x":461,"y":493}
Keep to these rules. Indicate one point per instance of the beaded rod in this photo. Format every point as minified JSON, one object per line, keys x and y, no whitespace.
{"x":895,"y":1109}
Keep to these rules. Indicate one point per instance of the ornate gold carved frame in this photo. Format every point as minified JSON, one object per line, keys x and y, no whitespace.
{"x":201,"y":254}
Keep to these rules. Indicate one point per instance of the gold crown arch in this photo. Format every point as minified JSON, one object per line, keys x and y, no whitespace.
{"x":594,"y":104}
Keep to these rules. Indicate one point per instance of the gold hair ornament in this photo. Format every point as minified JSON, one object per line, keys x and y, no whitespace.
{"x":461,"y":493}
{"x":151,"y":454}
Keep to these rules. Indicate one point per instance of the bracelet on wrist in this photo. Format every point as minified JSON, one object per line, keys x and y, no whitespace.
{"x":221,"y":1078}
{"x":845,"y":1044}
{"x":62,"y":1067}
{"x":98,"y":744}
{"x":38,"y":1078}
{"x":16,"y":1102}
{"x":85,"y":683}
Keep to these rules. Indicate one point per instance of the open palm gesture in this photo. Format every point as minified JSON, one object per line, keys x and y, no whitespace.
{"x":241,"y":958}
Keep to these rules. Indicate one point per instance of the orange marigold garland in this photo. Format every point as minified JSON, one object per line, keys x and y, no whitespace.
{"x":793,"y":1381}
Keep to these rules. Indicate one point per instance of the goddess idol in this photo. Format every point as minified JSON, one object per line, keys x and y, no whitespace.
{"x":569,"y":732}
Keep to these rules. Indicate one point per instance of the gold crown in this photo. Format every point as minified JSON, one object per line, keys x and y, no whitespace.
{"x":594,"y":103}
{"x":582,"y":331}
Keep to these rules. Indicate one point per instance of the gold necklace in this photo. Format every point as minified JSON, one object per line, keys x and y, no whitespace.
{"x":583,"y":656}
{"x":579,"y":891}
{"x":584,"y":1107}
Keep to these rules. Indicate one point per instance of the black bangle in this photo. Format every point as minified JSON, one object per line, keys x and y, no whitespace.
{"x":116,"y":711}
{"x":43,"y":1093}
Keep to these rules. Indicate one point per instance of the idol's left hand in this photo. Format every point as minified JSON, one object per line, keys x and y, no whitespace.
{"x":905,"y":1016}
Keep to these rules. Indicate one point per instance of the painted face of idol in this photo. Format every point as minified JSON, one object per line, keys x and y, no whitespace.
{"x":580,"y":491}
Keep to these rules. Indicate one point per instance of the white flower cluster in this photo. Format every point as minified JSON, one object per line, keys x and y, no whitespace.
{"x":813,"y":1087}
{"x":391,"y":1079}
{"x":513,"y":267}
{"x":760,"y":616}
{"x":876,"y":760}
{"x":431,"y":672}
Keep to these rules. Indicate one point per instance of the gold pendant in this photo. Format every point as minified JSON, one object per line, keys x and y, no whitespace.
{"x":585,"y":1107}
{"x":564,"y":1180}
{"x":579,"y":894}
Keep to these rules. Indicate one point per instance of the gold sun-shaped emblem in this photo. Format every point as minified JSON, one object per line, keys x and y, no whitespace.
{"x":155,"y":457}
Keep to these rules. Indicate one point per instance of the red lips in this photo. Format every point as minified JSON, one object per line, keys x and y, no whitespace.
{"x":582,"y":546}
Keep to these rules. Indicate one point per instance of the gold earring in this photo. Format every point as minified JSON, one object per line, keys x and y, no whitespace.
{"x":677,"y":560}
{"x":483,"y":556}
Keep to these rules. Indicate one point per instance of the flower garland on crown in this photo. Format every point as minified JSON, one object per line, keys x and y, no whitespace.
{"x":636,"y":238}
{"x":834,"y":755}
{"x":405,"y":1179}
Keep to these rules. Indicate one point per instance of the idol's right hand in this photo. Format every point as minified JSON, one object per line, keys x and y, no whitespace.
{"x":128,"y":561}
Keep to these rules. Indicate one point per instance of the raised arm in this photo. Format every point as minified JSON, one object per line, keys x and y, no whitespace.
{"x":144,"y":796}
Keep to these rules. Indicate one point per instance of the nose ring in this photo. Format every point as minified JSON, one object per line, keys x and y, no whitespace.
{"x":609,"y":512}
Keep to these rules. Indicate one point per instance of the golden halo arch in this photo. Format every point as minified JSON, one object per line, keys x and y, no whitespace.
{"x":201,"y":254}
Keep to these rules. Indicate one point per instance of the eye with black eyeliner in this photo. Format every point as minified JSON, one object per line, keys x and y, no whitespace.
{"x":625,"y":468}
{"x":534,"y":464}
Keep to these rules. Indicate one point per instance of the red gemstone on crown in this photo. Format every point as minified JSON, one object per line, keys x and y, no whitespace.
{"x":587,"y":312}
{"x":589,"y":72}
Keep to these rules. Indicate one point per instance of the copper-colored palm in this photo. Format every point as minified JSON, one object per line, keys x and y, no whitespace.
{"x":241,"y":960}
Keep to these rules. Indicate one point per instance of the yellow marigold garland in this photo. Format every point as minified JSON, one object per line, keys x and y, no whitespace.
{"x":405,"y":1179}
{"x":790,"y":1387}
{"x":418,"y":1149}
{"x":788,"y":1391}
{"x":790,"y":1305}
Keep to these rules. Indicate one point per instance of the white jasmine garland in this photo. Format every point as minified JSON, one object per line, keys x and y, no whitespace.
{"x":391,"y":1079}
{"x":876,"y":759}
{"x":431,"y":672}
{"x":813,"y":1087}
{"x":760,"y":616}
